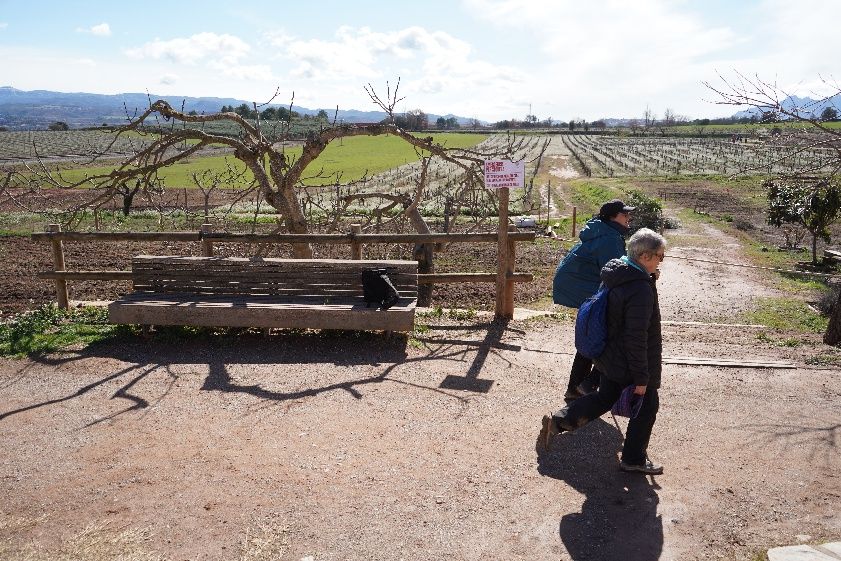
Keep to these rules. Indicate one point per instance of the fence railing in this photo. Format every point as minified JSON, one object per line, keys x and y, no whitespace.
{"x":505,"y":277}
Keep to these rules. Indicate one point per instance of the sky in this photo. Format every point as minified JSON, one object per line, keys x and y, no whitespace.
{"x":484,"y":59}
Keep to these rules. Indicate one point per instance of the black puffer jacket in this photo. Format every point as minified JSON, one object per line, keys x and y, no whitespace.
{"x":634,"y":350}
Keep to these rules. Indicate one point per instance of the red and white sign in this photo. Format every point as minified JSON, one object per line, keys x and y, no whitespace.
{"x":504,"y":174}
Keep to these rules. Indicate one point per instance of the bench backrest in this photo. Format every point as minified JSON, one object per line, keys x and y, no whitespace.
{"x":266,"y":276}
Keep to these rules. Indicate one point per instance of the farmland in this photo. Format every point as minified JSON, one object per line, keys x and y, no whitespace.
{"x":30,"y":145}
{"x":747,"y":128}
{"x":349,"y":167}
{"x":670,"y":156}
{"x":332,"y":198}
{"x":353,"y":157}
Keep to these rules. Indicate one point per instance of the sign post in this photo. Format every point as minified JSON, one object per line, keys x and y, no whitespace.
{"x":503,"y":175}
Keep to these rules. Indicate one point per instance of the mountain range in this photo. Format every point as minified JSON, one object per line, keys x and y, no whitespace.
{"x":37,"y":109}
{"x":802,"y":105}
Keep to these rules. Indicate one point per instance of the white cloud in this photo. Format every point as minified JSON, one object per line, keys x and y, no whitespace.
{"x":604,"y":57}
{"x":438,"y":71}
{"x":254,"y":72}
{"x":168,"y":79}
{"x":85,"y":62}
{"x":277,"y":38}
{"x":362,"y":53}
{"x":101,"y":30}
{"x":797,"y":54}
{"x":193,"y":49}
{"x":3,"y":25}
{"x":219,"y":53}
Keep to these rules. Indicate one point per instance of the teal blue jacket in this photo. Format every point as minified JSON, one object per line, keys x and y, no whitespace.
{"x":577,"y":276}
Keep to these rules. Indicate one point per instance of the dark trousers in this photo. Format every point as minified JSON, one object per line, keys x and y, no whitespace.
{"x":592,"y":406}
{"x":582,"y":369}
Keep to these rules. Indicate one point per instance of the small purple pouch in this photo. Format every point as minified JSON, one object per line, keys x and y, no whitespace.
{"x":628,"y":404}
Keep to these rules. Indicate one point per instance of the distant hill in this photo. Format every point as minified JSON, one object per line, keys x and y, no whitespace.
{"x":805,"y":105}
{"x":33,"y":110}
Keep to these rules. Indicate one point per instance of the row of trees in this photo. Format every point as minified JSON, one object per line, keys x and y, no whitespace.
{"x":532,"y":122}
{"x":414,"y":120}
{"x":269,"y":114}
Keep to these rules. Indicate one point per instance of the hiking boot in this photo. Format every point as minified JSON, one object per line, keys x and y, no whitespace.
{"x":648,"y":468}
{"x":548,"y":431}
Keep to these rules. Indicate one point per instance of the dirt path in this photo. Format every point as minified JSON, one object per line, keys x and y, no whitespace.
{"x":357,"y":447}
{"x":560,"y":168}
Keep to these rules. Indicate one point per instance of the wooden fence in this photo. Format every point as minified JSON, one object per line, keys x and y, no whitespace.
{"x":504,"y":278}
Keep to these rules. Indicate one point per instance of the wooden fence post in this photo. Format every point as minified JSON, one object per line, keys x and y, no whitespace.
{"x":502,"y":255}
{"x":355,"y":245}
{"x":509,"y":285}
{"x":574,"y":209}
{"x":423,"y":253}
{"x":548,"y":202}
{"x":58,"y":265}
{"x":206,"y":245}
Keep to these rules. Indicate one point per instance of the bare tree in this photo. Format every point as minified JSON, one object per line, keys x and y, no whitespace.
{"x":278,"y":176}
{"x":648,"y":117}
{"x":813,"y":138}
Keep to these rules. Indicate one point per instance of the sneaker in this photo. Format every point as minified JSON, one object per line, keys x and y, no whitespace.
{"x":573,"y":394}
{"x":586,"y":387}
{"x":648,"y":468}
{"x":548,"y":431}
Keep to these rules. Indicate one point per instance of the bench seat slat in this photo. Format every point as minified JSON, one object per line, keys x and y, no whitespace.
{"x":253,"y":311}
{"x":267,"y":292}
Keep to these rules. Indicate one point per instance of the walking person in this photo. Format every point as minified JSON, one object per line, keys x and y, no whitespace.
{"x":632,"y":356}
{"x":577,"y":278}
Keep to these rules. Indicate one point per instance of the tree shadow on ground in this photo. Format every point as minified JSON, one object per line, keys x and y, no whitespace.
{"x":377,"y":354}
{"x":815,"y":440}
{"x":618,"y":518}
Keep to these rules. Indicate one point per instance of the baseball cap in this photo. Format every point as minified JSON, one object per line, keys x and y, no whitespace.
{"x":614,"y":207}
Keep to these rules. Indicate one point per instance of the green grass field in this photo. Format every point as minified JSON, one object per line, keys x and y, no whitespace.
{"x":352,"y":157}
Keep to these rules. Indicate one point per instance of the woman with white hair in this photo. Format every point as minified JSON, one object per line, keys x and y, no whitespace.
{"x":632,"y":356}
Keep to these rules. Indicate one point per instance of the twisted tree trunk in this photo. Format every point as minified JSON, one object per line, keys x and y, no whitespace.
{"x":833,"y":330}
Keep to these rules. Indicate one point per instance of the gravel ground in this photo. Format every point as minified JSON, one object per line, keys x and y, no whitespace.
{"x":359,"y":447}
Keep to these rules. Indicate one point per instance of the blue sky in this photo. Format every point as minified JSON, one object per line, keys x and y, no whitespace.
{"x":489,"y":59}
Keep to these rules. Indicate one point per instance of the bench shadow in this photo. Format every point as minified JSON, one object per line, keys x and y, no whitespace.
{"x":341,"y":349}
{"x":618,"y":518}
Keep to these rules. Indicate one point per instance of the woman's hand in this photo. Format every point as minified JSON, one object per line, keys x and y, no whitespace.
{"x":640,"y":390}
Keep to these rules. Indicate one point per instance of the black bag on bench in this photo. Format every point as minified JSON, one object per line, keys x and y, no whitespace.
{"x":377,"y":288}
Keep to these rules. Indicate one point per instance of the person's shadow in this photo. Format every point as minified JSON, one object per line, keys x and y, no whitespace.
{"x":618,"y":518}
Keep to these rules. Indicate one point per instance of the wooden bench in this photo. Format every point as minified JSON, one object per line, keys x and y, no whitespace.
{"x":285,"y":293}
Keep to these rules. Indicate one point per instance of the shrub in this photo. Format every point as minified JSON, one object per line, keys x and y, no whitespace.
{"x":743,"y":225}
{"x":648,"y":213}
{"x":828,"y":298}
{"x":670,"y":223}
